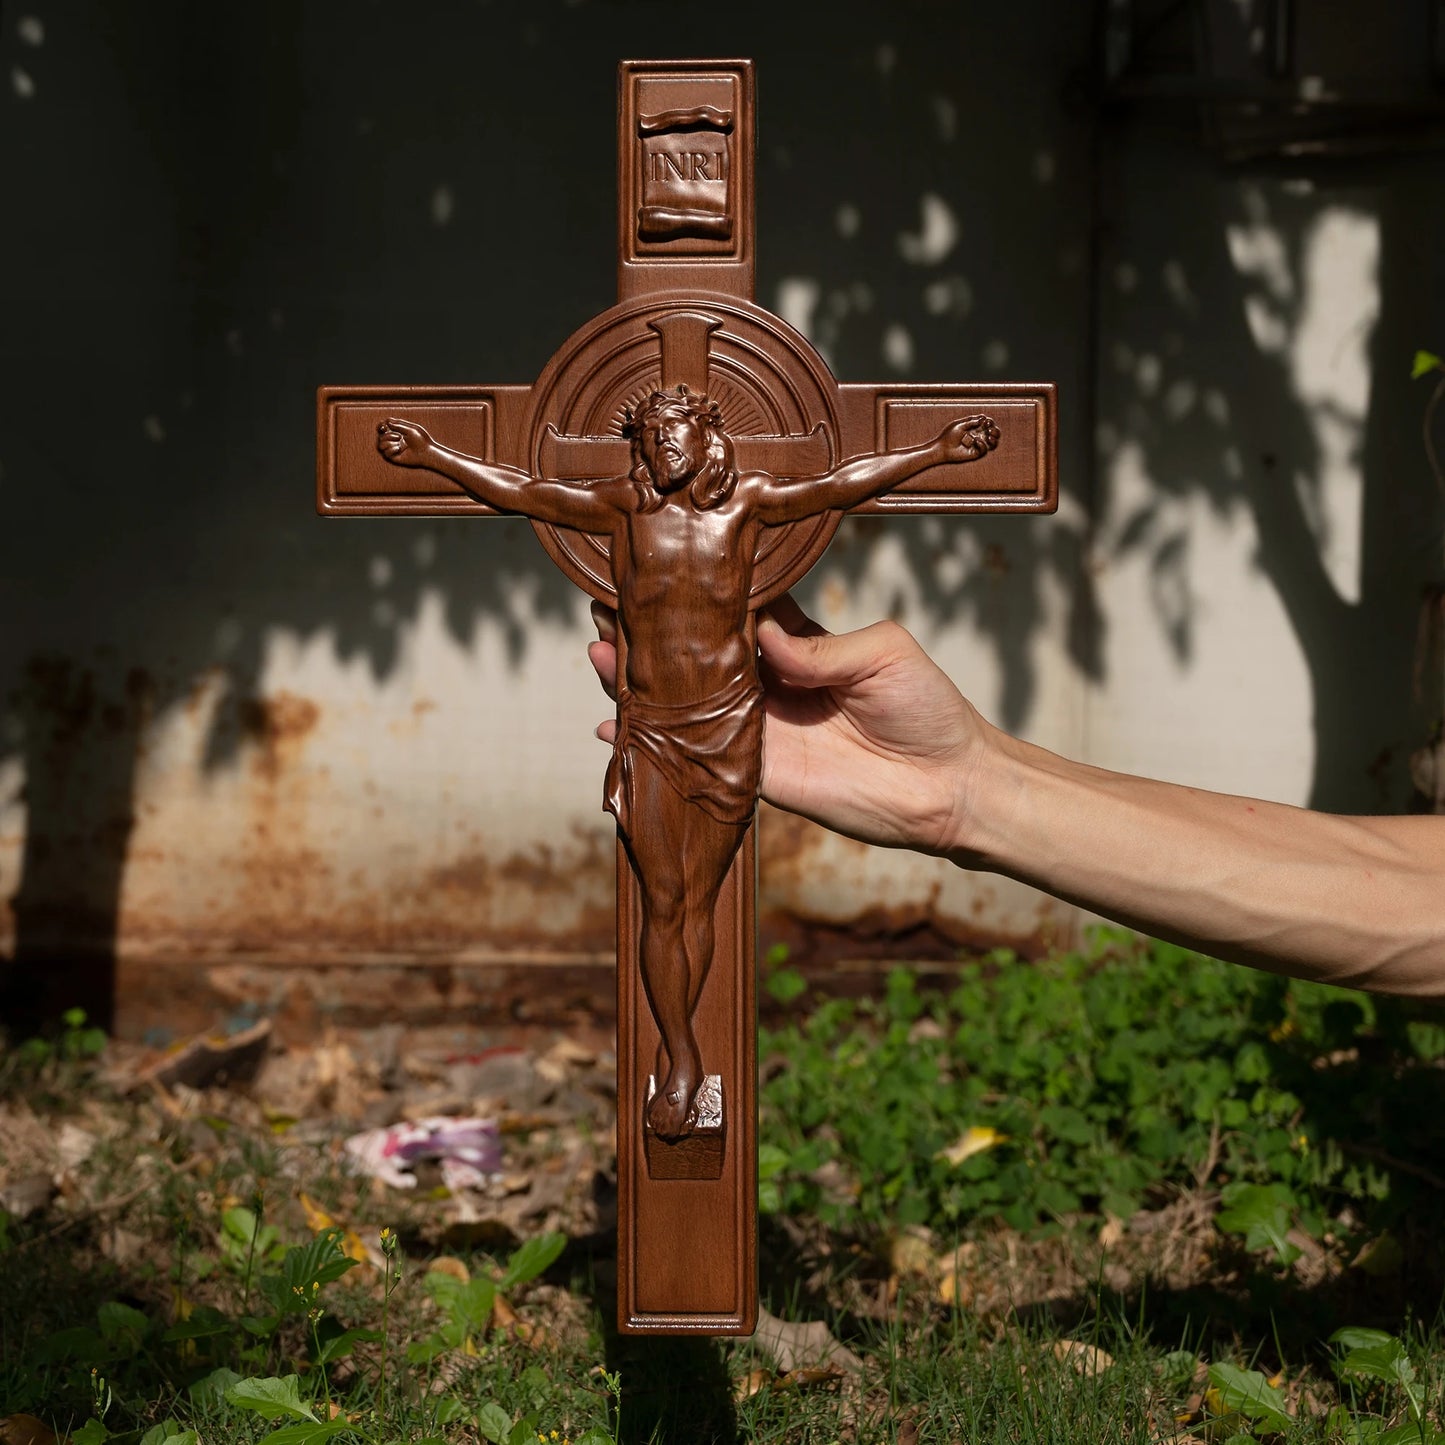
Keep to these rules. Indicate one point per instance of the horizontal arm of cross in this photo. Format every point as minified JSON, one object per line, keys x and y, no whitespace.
{"x":1020,"y":475}
{"x":354,"y":480}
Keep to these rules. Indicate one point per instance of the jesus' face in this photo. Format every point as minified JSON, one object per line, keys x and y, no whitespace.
{"x":675,"y":450}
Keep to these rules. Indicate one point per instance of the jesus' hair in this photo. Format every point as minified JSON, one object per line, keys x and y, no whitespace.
{"x":716,"y":481}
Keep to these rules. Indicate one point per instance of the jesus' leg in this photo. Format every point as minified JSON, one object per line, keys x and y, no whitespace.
{"x":681,"y":857}
{"x":656,"y":849}
{"x":706,"y":853}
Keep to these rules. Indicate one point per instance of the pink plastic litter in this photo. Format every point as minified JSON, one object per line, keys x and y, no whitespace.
{"x":468,"y":1151}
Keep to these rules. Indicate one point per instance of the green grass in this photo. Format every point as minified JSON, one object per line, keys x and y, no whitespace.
{"x":1196,"y":1176}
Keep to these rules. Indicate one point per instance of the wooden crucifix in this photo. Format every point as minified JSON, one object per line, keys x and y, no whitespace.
{"x":685,"y":457}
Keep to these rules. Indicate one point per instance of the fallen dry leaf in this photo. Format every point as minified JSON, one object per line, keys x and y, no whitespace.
{"x":954,"y":1288}
{"x":317,"y":1218}
{"x":569,"y":1051}
{"x":803,"y":1378}
{"x":926,"y":1028}
{"x":1111,"y":1232}
{"x":970,"y":1142}
{"x":748,"y":1385}
{"x":74,"y":1145}
{"x":907,"y":1427}
{"x":353,"y":1246}
{"x":1081,"y":1357}
{"x":791,"y":1346}
{"x":450,"y":1264}
{"x":911,"y":1252}
{"x":519,"y":1123}
{"x":207,"y":1061}
{"x":23,"y":1196}
{"x":807,"y":1376}
{"x":955,"y":1291}
{"x":25,"y":1430}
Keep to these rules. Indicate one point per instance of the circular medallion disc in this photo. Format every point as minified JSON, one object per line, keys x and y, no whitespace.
{"x":777,"y":397}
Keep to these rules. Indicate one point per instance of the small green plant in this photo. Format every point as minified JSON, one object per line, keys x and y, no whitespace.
{"x":784,"y":984}
{"x":1427,"y":363}
{"x":54,"y":1065}
{"x":468,"y":1304}
{"x":1260,"y":1212}
{"x":1244,"y":1402}
{"x":1373,"y":1355}
{"x":390,"y":1251}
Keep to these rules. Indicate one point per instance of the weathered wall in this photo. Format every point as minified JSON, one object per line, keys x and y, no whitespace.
{"x":237,"y":735}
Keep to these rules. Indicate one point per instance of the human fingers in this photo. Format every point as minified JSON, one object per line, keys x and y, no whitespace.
{"x":606,"y":730}
{"x":822,"y":660}
{"x":604,"y":619}
{"x":603,"y":657}
{"x":791,"y":618}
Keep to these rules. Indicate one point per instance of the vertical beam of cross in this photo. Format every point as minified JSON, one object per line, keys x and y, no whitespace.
{"x":683,"y":339}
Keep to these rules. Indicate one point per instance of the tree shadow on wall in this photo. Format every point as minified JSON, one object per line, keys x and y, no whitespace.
{"x":1229,"y":382}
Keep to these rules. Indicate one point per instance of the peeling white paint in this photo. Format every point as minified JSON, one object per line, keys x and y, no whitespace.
{"x":797,"y":302}
{"x":898,"y":347}
{"x":937,"y":232}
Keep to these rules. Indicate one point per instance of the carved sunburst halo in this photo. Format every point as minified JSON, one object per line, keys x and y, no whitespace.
{"x":741,"y":414}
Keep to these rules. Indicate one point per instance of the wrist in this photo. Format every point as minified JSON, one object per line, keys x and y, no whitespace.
{"x":986,"y":792}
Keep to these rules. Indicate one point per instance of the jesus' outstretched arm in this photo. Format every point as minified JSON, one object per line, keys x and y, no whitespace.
{"x":565,"y":504}
{"x":792,"y":499}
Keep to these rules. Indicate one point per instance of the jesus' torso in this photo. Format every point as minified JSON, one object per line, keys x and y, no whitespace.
{"x":683,"y":579}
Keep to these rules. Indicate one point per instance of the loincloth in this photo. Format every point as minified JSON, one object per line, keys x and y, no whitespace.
{"x":709,"y":752}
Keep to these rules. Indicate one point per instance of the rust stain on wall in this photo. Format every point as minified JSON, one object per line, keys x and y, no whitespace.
{"x":279,"y":921}
{"x":276,"y":725}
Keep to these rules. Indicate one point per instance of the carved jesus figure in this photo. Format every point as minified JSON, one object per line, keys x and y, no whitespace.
{"x":683,"y":527}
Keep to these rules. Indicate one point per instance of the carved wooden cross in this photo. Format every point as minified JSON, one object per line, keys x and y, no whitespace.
{"x":685,"y":457}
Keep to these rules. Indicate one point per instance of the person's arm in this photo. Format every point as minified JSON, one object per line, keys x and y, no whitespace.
{"x":792,"y":499}
{"x":1345,"y":900}
{"x":565,"y":504}
{"x":866,"y":735}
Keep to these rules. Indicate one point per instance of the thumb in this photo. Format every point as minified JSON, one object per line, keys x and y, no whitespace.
{"x":819,"y":659}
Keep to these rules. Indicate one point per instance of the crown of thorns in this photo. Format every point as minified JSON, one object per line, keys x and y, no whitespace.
{"x":690,"y":403}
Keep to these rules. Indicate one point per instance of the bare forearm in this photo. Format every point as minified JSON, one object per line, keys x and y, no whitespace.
{"x":1355,"y":901}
